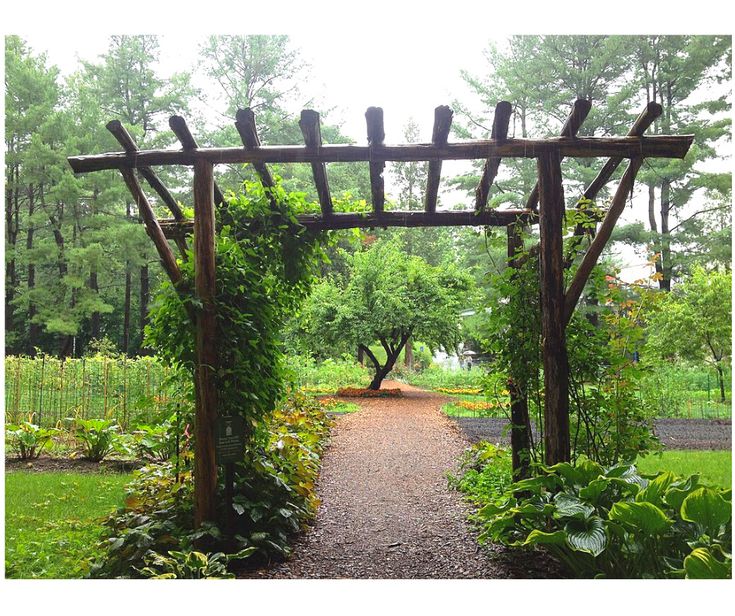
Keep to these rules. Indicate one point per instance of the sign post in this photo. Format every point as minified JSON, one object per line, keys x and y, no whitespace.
{"x":229,"y":444}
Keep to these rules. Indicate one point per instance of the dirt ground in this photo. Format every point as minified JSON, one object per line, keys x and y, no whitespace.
{"x":386,"y":510}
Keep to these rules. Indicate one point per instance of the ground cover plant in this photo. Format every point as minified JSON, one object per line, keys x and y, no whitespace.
{"x":53,"y":521}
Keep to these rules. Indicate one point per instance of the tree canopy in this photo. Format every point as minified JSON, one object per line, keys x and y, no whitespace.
{"x":386,"y":298}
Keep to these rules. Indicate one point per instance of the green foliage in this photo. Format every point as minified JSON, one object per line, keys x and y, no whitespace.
{"x":436,"y":376}
{"x":191,"y":565}
{"x":274,"y":496}
{"x":157,"y":442}
{"x":614,"y":522}
{"x":27,"y":439}
{"x":53,"y":521}
{"x":97,"y":438}
{"x":387,"y":298}
{"x":326,"y":376}
{"x":695,"y":322}
{"x":484,"y":472}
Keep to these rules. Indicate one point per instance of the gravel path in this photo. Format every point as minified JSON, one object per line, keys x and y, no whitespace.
{"x":386,"y":509}
{"x":673,"y":433}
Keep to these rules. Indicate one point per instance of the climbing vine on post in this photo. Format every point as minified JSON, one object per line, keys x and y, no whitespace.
{"x":265,"y":263}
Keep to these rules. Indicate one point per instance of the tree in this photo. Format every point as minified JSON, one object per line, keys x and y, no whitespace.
{"x":387,"y":298}
{"x":695,"y":322}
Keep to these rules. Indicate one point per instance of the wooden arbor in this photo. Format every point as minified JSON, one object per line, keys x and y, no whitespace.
{"x":545,"y":207}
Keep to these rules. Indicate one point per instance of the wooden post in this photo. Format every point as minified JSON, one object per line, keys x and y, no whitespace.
{"x":376,"y":136}
{"x":520,"y":432}
{"x":553,"y":327}
{"x":205,"y":467}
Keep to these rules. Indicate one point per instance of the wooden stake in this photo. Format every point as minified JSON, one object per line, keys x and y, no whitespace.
{"x":245,"y":124}
{"x":555,"y":360}
{"x":205,"y":467}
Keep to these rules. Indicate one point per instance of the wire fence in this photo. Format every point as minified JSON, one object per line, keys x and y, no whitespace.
{"x":47,"y":390}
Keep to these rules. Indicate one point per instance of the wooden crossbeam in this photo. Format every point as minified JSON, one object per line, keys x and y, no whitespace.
{"x":601,"y":238}
{"x":245,"y":124}
{"x":376,"y":136}
{"x":580,"y":111}
{"x":658,"y":146}
{"x":440,"y":134}
{"x":499,"y":133}
{"x":180,"y":128}
{"x":343,"y":220}
{"x":310,"y":129}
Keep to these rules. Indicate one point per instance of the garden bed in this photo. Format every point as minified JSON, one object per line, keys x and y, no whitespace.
{"x":354,"y":392}
{"x":78,"y":465}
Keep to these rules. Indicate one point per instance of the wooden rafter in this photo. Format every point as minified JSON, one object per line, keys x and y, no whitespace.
{"x":440,"y":134}
{"x":180,"y":128}
{"x":376,"y":136}
{"x":245,"y":124}
{"x":310,"y":129}
{"x":580,"y":111}
{"x":499,"y":133}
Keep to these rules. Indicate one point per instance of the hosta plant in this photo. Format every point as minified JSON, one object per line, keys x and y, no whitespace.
{"x":191,"y":565}
{"x":97,"y":438}
{"x":27,"y":439}
{"x":614,"y":522}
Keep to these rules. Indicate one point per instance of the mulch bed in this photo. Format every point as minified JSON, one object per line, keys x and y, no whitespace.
{"x":354,"y":392}
{"x":45,"y":463}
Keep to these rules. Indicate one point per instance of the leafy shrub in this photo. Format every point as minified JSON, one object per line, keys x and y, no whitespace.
{"x":484,"y":472}
{"x":274,"y":496}
{"x":613,"y":522}
{"x":97,"y":438}
{"x":28,"y":440}
{"x":156,"y":442}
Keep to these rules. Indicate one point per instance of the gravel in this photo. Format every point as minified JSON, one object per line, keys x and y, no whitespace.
{"x":386,"y":510}
{"x":673,"y":433}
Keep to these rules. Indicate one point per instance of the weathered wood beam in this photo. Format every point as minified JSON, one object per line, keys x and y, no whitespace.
{"x":601,"y":238}
{"x":310,"y":129}
{"x":376,"y":136}
{"x":520,"y":432}
{"x":168,"y":260}
{"x":553,"y":329}
{"x":181,"y":129}
{"x":499,"y":133}
{"x":245,"y":124}
{"x":205,"y":466}
{"x":125,"y":139}
{"x":580,"y":111}
{"x":440,"y":134}
{"x":658,"y":146}
{"x":344,"y":220}
{"x":642,"y":123}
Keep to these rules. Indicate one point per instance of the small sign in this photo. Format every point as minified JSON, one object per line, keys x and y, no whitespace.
{"x":229,"y":439}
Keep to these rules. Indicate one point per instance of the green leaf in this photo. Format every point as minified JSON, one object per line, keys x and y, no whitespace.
{"x":656,"y":488}
{"x":702,"y":565}
{"x":587,"y":535}
{"x":640,"y":518}
{"x":706,"y":508}
{"x":679,"y":490}
{"x":537,"y":537}
{"x":569,"y":506}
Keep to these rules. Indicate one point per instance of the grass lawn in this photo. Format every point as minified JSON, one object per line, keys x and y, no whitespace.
{"x":713,"y":467}
{"x":52,"y":520}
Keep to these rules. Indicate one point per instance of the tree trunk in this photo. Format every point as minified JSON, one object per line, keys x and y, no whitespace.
{"x":408,"y":355}
{"x":721,"y":379}
{"x":95,"y":319}
{"x":33,"y":328}
{"x":666,"y":265}
{"x":144,"y":296}
{"x":391,"y":356}
{"x":360,"y":356}
{"x":126,"y":310}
